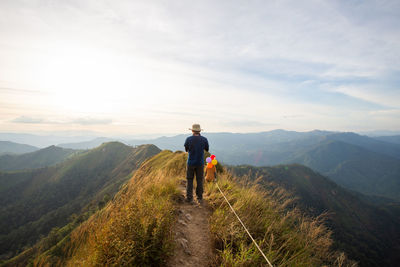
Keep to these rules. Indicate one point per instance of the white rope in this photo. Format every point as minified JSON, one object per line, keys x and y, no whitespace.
{"x":265,"y":257}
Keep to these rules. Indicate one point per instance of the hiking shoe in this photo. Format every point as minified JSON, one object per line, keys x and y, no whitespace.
{"x":200,"y":201}
{"x":190,"y":201}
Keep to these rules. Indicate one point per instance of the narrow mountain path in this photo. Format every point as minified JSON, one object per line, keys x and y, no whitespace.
{"x":193,"y":242}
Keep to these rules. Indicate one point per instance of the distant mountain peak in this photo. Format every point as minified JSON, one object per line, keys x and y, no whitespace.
{"x":37,"y":159}
{"x":7,"y":147}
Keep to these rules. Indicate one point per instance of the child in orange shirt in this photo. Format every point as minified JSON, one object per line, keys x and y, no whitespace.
{"x":210,"y":173}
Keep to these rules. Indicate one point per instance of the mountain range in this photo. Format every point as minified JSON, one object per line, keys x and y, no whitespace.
{"x":369,"y":165}
{"x":366,"y":229}
{"x":395,"y":139}
{"x":354,"y":167}
{"x":88,"y":144}
{"x":7,"y":147}
{"x":33,"y":202}
{"x":49,"y":215}
{"x":43,"y":140}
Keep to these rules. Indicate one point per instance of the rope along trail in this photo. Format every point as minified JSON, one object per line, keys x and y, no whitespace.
{"x":245,"y":228}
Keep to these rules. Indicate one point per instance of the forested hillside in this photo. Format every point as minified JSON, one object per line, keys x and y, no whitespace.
{"x":33,"y":202}
{"x":367,"y":232}
{"x":354,"y":167}
{"x":395,"y":139}
{"x":38,"y":159}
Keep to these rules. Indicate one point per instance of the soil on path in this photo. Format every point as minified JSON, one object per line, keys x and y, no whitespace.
{"x":193,"y":242}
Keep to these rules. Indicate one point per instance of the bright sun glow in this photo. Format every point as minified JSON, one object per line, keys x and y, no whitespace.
{"x":80,"y":80}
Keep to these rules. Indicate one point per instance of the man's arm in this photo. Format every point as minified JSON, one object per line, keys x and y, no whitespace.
{"x":186,"y":145}
{"x":206,"y":145}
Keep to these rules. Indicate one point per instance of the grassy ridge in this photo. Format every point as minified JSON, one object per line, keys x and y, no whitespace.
{"x":60,"y":197}
{"x":286,"y":236}
{"x":135,"y":228}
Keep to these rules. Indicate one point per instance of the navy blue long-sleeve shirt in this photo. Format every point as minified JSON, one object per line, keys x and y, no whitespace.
{"x":195,"y":145}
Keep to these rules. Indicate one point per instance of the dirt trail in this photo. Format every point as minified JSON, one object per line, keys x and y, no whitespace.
{"x":193,"y":243}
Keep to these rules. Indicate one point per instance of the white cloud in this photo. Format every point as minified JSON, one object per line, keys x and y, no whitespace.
{"x":386,"y":113}
{"x":78,"y":121}
{"x":25,"y":119}
{"x":389,"y":98}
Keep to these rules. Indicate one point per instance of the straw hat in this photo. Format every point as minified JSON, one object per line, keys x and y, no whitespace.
{"x":196,"y":128}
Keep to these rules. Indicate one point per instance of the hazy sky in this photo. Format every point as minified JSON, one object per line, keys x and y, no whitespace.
{"x":134,"y":67}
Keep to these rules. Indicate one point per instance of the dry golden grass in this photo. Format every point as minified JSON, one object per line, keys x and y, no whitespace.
{"x":286,"y":236}
{"x":134,"y":229}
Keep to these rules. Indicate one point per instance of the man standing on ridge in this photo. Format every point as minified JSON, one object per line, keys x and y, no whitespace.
{"x":195,"y":145}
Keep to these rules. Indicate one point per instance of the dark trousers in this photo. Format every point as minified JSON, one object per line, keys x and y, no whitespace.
{"x":191,"y":171}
